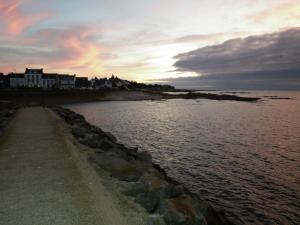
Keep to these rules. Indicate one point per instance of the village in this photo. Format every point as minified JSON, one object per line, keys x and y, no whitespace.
{"x":38,"y":79}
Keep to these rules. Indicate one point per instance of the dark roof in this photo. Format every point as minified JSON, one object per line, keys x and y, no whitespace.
{"x":66,"y":76}
{"x":16,"y":75}
{"x":49,"y":75}
{"x":38,"y":71}
{"x":82,"y":78}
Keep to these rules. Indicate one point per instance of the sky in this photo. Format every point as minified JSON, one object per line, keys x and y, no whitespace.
{"x":154,"y":40}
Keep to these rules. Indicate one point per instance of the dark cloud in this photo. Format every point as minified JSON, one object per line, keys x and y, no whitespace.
{"x":266,"y":80}
{"x":270,"y":61}
{"x":267,"y":52}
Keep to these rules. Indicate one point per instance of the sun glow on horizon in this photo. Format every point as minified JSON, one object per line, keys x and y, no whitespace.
{"x":136,"y":41}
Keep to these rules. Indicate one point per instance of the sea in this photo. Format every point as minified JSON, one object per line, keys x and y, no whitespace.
{"x":241,"y":157}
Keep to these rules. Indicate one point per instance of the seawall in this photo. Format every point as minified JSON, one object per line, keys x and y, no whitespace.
{"x":166,"y":200}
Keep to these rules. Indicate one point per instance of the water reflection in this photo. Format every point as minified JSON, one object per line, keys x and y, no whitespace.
{"x":243,"y":157}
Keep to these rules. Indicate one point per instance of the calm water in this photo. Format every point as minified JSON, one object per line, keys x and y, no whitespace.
{"x":241,"y":157}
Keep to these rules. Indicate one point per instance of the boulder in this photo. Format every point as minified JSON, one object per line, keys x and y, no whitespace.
{"x":118,"y":167}
{"x":181,"y":210}
{"x":90,"y":140}
{"x":144,"y":156}
{"x":111,"y":137}
{"x":78,"y":131}
{"x":155,"y":219}
{"x":149,"y":200}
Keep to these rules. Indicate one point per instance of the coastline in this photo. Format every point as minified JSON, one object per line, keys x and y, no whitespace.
{"x":33,"y":97}
{"x":166,"y":200}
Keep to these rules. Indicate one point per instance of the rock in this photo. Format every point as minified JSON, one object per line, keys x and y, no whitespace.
{"x":118,"y":167}
{"x":137,"y":188}
{"x":106,"y":144}
{"x":91,"y":140}
{"x":97,"y":130}
{"x":78,"y":131}
{"x":174,"y":191}
{"x":155,"y":219}
{"x":149,"y":200}
{"x":111,"y":137}
{"x":74,"y":118}
{"x":144,"y":156}
{"x":181,"y":210}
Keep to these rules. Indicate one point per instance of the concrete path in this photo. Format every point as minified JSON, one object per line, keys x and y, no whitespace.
{"x":40,"y":184}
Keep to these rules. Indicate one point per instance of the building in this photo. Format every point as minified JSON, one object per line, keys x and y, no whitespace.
{"x":50,"y":80}
{"x":33,"y":77}
{"x":36,"y":78}
{"x":82,"y":83}
{"x":101,"y":83}
{"x":66,"y":81}
{"x":16,"y":80}
{"x":4,"y":82}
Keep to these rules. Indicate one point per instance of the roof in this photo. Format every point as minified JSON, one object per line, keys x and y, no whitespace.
{"x":16,"y":75}
{"x":82,"y":78}
{"x":49,"y":75}
{"x":37,"y":71}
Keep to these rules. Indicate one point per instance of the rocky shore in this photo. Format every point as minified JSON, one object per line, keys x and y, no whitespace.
{"x":60,"y":97}
{"x":167,"y":201}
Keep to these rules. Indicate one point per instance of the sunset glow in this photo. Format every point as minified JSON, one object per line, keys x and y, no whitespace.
{"x":135,"y":41}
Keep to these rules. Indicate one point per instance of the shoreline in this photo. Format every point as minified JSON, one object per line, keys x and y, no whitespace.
{"x":161,"y":196}
{"x":60,"y":97}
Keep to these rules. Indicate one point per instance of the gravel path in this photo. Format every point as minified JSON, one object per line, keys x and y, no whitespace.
{"x":41,"y":183}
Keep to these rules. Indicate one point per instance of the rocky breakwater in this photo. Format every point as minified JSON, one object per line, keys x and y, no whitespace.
{"x":6,"y":116}
{"x":166,"y":201}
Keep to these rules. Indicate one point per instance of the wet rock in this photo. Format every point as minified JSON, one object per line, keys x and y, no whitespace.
{"x":181,"y":210}
{"x":144,"y":156}
{"x":155,"y":219}
{"x":78,"y":131}
{"x":118,"y":167}
{"x":174,"y":190}
{"x":111,"y":137}
{"x":91,"y":140}
{"x":106,"y":144}
{"x":149,"y":200}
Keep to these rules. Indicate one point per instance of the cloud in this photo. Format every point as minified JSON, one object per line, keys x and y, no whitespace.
{"x":269,"y":52}
{"x":61,"y":49}
{"x":284,"y":13}
{"x":74,"y":45}
{"x":209,"y":37}
{"x":15,"y":20}
{"x":266,"y":80}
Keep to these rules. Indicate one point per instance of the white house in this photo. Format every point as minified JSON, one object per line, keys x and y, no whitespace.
{"x":33,"y":77}
{"x":37,"y":78}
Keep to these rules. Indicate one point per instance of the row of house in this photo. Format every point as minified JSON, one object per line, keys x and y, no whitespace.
{"x":36,"y":78}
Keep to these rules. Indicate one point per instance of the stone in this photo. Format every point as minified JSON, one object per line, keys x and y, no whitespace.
{"x":111,"y":137}
{"x":181,"y":210}
{"x":174,"y":191}
{"x":78,"y":131}
{"x":106,"y":144}
{"x":118,"y":167}
{"x":144,"y":156}
{"x":155,"y":219}
{"x":149,"y":200}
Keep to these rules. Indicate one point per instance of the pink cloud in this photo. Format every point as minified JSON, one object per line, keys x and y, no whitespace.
{"x":15,"y":20}
{"x":71,"y":49}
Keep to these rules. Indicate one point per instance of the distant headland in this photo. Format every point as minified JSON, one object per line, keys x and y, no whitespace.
{"x":35,"y":87}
